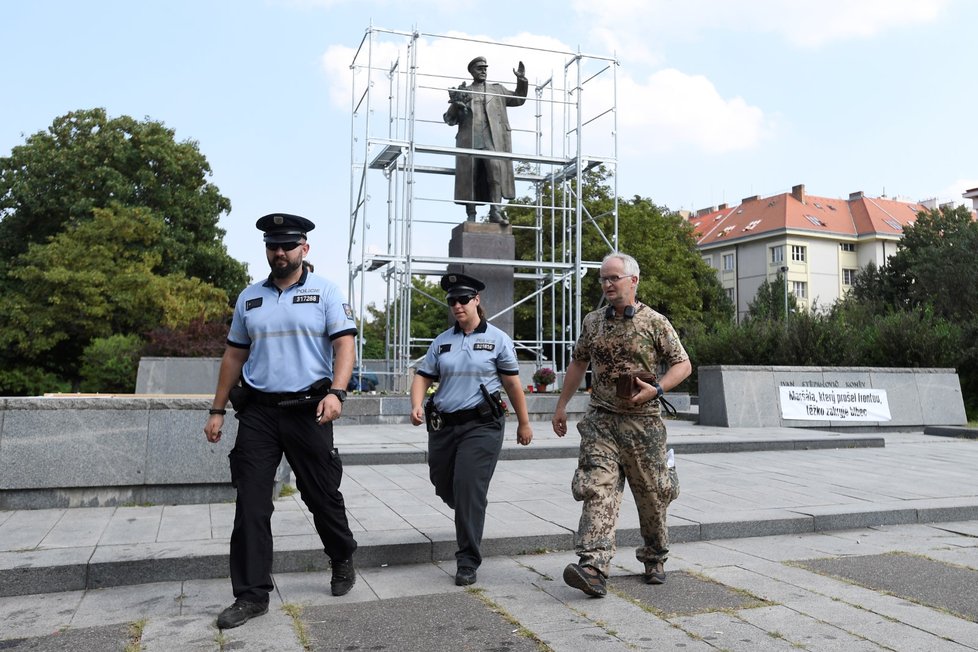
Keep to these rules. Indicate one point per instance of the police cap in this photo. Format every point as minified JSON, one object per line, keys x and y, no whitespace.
{"x":460,"y":285}
{"x":281,"y":228}
{"x":475,"y":61}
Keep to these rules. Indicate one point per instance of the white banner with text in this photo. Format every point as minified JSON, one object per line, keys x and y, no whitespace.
{"x":826,"y":403}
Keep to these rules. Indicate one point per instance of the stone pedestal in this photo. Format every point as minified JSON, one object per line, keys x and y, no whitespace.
{"x":487,"y":240}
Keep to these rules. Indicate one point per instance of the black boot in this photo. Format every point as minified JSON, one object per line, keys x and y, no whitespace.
{"x":344,"y":577}
{"x":239,"y":613}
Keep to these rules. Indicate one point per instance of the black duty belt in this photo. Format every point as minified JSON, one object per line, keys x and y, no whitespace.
{"x":462,"y":416}
{"x":285,"y":399}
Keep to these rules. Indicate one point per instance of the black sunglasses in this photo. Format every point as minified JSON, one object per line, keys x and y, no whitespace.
{"x":463,"y":300}
{"x":286,"y":246}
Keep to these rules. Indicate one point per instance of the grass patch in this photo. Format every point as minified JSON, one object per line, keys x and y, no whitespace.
{"x":294,"y":612}
{"x":135,"y":642}
{"x":520,"y":629}
{"x":287,"y":490}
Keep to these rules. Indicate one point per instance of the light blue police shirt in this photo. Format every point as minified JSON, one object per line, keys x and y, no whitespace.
{"x":460,"y":363}
{"x":289,"y":333}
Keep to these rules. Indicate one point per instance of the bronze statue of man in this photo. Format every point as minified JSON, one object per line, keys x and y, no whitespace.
{"x":479,"y":110}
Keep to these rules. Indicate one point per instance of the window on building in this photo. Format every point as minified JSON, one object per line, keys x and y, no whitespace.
{"x":730,"y":294}
{"x":799,"y":289}
{"x":708,"y":260}
{"x":797,"y":253}
{"x":728,"y":262}
{"x":847,"y":246}
{"x":777,"y":254}
{"x":848,"y":276}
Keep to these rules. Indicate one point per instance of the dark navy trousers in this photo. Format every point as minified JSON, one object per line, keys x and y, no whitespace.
{"x":461,"y":461}
{"x":264,"y":434}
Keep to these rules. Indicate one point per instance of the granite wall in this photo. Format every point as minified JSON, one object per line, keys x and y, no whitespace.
{"x":92,"y":451}
{"x":738,"y":396}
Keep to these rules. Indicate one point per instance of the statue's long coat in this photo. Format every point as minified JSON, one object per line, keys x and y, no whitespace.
{"x":496,"y":99}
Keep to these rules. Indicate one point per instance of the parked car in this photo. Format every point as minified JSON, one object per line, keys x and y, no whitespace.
{"x":362,"y":380}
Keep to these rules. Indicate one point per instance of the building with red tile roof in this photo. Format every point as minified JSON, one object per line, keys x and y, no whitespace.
{"x":818,"y":242}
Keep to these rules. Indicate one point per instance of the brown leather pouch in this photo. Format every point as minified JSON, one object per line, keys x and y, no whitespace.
{"x":627,"y":388}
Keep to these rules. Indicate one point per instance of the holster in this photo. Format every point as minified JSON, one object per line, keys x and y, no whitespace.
{"x":312,"y":396}
{"x":240,"y":396}
{"x":493,"y":403}
{"x":432,"y":418}
{"x":627,"y":387}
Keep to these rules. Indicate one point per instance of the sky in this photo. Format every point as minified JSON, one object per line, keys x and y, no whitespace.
{"x":714,"y":100}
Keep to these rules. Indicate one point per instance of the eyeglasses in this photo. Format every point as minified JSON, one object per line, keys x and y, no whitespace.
{"x":610,"y":279}
{"x":286,"y":246}
{"x":463,"y":300}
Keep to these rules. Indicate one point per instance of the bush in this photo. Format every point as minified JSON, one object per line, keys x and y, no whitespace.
{"x":846,"y":336}
{"x":198,"y":339}
{"x":109,"y":364}
{"x":30,"y":381}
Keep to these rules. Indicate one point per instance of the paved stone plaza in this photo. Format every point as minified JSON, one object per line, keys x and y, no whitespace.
{"x":784,"y":546}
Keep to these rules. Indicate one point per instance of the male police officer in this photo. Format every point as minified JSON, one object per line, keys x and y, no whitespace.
{"x":291,"y":345}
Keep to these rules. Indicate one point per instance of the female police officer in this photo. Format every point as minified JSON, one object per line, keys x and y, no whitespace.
{"x":470,"y":361}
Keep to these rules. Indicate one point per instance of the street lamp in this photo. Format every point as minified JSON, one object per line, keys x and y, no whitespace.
{"x":784,"y":277}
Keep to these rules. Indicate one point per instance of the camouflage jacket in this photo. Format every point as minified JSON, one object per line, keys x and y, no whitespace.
{"x":645,"y":343}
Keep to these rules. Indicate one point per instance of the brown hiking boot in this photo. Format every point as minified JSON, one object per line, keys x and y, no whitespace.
{"x":655,"y":573}
{"x":586,"y":578}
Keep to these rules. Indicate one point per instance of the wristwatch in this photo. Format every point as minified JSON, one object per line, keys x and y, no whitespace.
{"x":338,"y":393}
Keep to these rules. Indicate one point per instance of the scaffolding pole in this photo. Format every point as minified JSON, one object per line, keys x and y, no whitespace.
{"x":401,"y":143}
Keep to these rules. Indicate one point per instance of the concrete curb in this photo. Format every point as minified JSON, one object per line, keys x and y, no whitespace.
{"x":961,"y":432}
{"x":53,"y":571}
{"x":411,"y":455}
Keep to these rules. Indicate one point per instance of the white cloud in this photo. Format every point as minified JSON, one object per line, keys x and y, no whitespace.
{"x":664,"y":111}
{"x":676,"y":110}
{"x":804,"y":23}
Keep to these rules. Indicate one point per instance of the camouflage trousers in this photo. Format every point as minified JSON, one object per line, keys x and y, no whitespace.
{"x":616,"y":447}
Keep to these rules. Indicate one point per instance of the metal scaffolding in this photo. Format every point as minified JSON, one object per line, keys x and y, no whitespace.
{"x":401,"y":200}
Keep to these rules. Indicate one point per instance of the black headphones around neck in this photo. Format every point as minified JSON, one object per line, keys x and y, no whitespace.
{"x":609,"y":312}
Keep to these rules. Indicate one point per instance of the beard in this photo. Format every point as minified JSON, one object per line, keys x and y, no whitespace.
{"x":286,"y":270}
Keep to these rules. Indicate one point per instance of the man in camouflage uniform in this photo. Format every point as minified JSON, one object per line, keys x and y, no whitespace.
{"x":621,"y":438}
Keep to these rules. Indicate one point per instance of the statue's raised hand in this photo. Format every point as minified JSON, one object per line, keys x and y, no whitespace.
{"x":520,"y":71}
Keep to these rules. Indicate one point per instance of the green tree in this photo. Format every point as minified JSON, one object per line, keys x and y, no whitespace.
{"x":769,"y":302}
{"x":429,"y":316}
{"x":86,"y":161}
{"x":109,"y":364}
{"x":937,"y":257}
{"x":933,"y":267}
{"x":929,"y":290}
{"x":878,"y":290}
{"x":95,"y":279}
{"x":675,"y":279}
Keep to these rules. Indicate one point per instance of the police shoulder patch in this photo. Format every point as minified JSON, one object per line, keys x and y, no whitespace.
{"x":253,"y":303}
{"x":348,"y":311}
